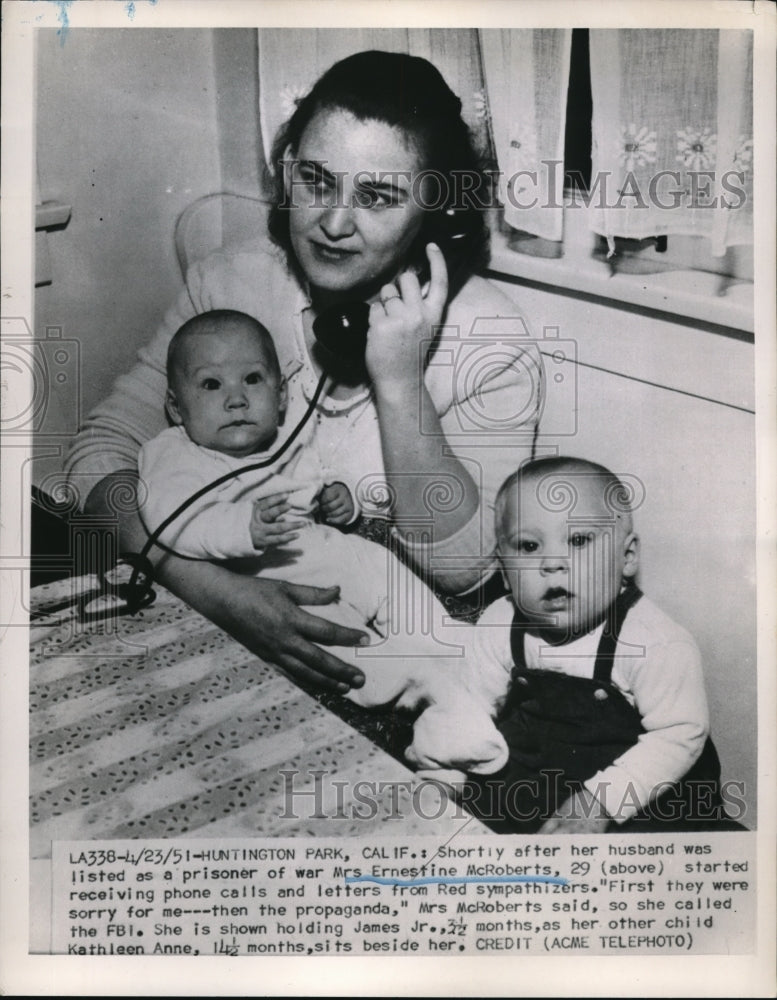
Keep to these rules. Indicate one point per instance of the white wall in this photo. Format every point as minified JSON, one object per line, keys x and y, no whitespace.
{"x":127,"y":135}
{"x":636,"y":381}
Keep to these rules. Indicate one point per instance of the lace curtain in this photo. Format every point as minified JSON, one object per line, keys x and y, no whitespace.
{"x":673,"y":134}
{"x":526,"y":73}
{"x":291,"y":61}
{"x":672,"y":120}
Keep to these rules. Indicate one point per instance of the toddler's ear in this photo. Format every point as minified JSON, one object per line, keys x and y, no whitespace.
{"x":630,"y":555}
{"x":171,"y":406}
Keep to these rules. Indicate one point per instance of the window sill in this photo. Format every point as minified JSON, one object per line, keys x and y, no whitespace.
{"x":698,"y":295}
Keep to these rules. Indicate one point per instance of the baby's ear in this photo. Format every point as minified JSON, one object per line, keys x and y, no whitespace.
{"x":630,"y":555}
{"x":283,"y":398}
{"x":503,"y":574}
{"x":171,"y":406}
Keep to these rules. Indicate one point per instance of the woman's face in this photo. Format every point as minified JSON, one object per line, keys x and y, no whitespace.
{"x":354,"y":211}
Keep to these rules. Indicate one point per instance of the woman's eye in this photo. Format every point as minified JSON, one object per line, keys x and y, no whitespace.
{"x":315,"y":179}
{"x":211,"y":384}
{"x":528,"y":547}
{"x":370,"y":198}
{"x":254,"y":378}
{"x":579,"y":539}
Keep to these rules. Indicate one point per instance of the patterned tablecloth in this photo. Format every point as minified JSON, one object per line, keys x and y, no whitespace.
{"x":161,"y":725}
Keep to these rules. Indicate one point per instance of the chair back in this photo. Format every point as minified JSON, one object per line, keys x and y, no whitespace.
{"x":217,"y":222}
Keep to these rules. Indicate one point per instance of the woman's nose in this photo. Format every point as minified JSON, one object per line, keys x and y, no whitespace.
{"x":337,"y":222}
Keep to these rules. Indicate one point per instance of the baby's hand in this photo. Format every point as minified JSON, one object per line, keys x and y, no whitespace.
{"x":268,"y":530}
{"x":336,"y":504}
{"x":580,"y":813}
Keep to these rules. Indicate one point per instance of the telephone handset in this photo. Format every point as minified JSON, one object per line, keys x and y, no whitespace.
{"x":342,"y":329}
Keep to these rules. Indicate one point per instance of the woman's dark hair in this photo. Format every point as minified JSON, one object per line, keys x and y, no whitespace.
{"x":410,"y":94}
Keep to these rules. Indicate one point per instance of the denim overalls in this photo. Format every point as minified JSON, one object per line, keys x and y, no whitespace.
{"x":561,"y":730}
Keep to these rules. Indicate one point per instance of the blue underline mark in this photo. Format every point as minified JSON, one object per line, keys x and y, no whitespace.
{"x":456,"y":880}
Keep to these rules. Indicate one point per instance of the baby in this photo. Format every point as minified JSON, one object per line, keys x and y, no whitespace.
{"x":228,"y":401}
{"x":598,"y":694}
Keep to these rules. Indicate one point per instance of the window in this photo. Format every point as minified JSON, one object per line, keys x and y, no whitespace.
{"x":654,"y":131}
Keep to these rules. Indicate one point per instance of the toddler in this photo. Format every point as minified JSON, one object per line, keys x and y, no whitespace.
{"x":598,"y":694}
{"x":227,"y":401}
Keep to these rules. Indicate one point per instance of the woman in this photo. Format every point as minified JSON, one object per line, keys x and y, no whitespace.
{"x":427,"y":427}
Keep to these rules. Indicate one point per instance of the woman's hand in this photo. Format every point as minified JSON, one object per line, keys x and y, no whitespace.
{"x":416,"y":458}
{"x":265,"y":615}
{"x":403,"y":322}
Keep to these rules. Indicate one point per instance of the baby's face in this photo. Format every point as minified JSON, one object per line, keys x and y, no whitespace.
{"x":226,"y":392}
{"x":563,"y":561}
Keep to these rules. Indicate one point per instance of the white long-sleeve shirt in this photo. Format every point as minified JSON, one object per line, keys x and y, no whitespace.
{"x":217,"y":526}
{"x":657,"y":667}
